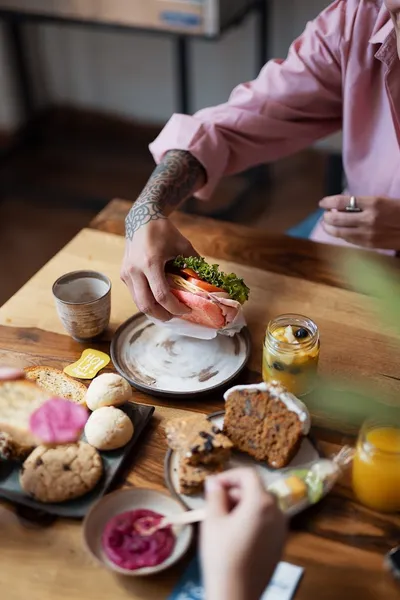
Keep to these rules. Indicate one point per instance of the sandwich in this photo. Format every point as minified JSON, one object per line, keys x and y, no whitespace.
{"x":215,"y":298}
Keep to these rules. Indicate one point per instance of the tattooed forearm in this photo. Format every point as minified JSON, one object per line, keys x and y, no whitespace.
{"x":173,"y":180}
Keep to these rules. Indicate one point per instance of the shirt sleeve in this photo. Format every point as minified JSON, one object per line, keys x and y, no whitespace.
{"x":291,"y":104}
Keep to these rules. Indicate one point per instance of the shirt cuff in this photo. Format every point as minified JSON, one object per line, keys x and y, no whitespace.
{"x":183,"y":132}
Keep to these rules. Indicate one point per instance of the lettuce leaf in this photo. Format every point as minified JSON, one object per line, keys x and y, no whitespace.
{"x":230,"y":283}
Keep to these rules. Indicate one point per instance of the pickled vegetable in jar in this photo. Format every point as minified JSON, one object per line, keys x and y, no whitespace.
{"x":291,"y":353}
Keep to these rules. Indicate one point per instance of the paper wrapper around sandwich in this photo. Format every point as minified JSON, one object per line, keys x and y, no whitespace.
{"x":185,"y":328}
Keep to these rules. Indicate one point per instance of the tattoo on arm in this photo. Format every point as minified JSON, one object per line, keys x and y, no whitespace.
{"x":173,"y":180}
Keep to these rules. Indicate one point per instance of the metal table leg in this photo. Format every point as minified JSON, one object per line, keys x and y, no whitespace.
{"x":260,"y":175}
{"x":183,"y":74}
{"x":19,"y":57}
{"x":263,"y":49}
{"x":26,"y":133}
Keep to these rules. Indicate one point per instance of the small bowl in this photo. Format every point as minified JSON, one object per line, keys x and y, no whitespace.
{"x":123,"y":501}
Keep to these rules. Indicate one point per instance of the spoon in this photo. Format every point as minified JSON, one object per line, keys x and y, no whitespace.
{"x":186,"y":518}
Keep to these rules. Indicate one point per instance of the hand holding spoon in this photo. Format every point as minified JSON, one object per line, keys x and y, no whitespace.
{"x":186,"y":518}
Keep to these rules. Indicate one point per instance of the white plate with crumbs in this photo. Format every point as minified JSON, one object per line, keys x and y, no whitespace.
{"x":157,"y":361}
{"x":306,"y":454}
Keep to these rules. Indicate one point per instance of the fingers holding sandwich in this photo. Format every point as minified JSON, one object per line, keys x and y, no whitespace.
{"x":143,"y":297}
{"x":161,"y":293}
{"x":143,"y":268}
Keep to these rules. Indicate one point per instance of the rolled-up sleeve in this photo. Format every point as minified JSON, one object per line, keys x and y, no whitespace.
{"x":291,"y":104}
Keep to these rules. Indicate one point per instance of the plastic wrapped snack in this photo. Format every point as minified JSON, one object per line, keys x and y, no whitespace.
{"x":215,"y":299}
{"x":300,"y":488}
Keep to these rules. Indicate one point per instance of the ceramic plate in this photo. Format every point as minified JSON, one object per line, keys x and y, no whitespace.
{"x":123,"y":501}
{"x":306,"y":454}
{"x":160,"y":362}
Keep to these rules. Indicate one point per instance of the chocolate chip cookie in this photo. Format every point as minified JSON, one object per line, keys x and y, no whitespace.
{"x":61,"y":473}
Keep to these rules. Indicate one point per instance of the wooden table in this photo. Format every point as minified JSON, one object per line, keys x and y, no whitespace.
{"x":340,"y":543}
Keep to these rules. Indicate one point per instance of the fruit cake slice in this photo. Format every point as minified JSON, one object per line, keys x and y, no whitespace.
{"x":266,"y":422}
{"x":192,"y":478}
{"x":199,"y":441}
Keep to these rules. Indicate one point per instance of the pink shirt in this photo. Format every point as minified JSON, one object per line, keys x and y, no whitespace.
{"x":343,"y":72}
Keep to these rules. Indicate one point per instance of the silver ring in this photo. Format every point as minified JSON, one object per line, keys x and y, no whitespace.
{"x":352,"y":206}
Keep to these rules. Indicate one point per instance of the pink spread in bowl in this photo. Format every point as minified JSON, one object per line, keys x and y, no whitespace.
{"x":126,"y":545}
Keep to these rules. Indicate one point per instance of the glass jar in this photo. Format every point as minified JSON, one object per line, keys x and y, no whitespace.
{"x":376,"y":467}
{"x":291,"y":353}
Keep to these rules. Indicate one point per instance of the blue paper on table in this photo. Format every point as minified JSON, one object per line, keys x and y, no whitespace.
{"x":282,"y":586}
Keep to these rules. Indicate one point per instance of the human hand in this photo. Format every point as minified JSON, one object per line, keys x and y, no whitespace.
{"x":10,"y":373}
{"x":143,"y":267}
{"x":242,"y":537}
{"x":377,"y":226}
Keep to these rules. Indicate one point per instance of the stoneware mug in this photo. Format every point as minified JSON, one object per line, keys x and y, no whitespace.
{"x":83,"y":302}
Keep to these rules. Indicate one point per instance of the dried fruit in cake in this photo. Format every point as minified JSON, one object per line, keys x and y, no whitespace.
{"x":192,"y":478}
{"x":266,"y":422}
{"x":198,"y":440}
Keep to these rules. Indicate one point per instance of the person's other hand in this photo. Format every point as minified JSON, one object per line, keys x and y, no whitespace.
{"x":143,"y":268}
{"x":10,"y":374}
{"x":242,"y":537}
{"x":377,"y":226}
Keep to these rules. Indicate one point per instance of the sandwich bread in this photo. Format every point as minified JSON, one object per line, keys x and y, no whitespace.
{"x":57,"y":383}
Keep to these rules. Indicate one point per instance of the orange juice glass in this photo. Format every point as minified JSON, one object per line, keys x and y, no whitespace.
{"x":291,"y":353}
{"x":376,"y":467}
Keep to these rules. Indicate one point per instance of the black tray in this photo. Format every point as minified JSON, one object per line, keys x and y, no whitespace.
{"x":113,"y":462}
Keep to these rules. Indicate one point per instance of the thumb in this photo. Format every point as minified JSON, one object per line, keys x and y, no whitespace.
{"x":188,"y":250}
{"x":217,"y":498}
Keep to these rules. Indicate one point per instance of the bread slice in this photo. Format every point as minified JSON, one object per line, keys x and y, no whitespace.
{"x":18,"y":400}
{"x":58,"y":383}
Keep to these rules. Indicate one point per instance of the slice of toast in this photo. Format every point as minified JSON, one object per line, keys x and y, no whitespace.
{"x":58,"y":383}
{"x":18,"y":400}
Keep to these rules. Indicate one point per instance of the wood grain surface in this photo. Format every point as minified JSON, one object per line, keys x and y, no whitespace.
{"x":340,"y":543}
{"x":248,"y":246}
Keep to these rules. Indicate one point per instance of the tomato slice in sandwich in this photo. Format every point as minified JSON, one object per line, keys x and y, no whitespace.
{"x":203,"y":285}
{"x":190,"y":273}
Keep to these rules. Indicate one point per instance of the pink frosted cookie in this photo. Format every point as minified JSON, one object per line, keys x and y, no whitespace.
{"x":58,"y":421}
